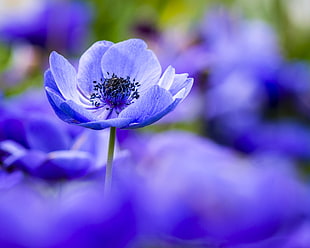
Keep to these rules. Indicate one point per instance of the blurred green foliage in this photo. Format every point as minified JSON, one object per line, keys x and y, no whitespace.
{"x":114,"y":19}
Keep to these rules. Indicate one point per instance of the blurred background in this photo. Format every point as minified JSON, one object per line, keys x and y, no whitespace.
{"x":249,"y":59}
{"x":249,"y":109}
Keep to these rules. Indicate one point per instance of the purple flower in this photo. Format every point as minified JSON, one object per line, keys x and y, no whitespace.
{"x":74,"y":216}
{"x":243,"y":93}
{"x":34,"y":142}
{"x":286,"y":137}
{"x":210,"y":195}
{"x":48,"y":24}
{"x":117,"y":85}
{"x":237,"y":44}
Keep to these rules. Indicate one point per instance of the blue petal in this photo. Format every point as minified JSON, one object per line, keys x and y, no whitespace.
{"x":65,"y":165}
{"x":89,"y":66}
{"x":157,"y":116}
{"x":13,"y":128}
{"x":65,"y":76}
{"x":167,"y":78}
{"x":179,"y":83}
{"x":9,"y":147}
{"x":150,"y":107}
{"x":180,"y":87}
{"x":30,"y":161}
{"x":132,"y":58}
{"x":116,"y":122}
{"x":40,"y":131}
{"x":95,"y":143}
{"x":69,"y":111}
{"x":49,"y":82}
{"x":10,"y":151}
{"x":77,"y":112}
{"x":55,"y":101}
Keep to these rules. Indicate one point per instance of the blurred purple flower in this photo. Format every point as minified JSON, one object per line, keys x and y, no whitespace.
{"x":299,"y":237}
{"x":249,"y":82}
{"x":211,"y":196}
{"x":294,"y":78}
{"x":76,"y":215}
{"x":117,"y":85}
{"x":33,"y":141}
{"x":237,"y":44}
{"x":237,"y":93}
{"x":60,"y":25}
{"x":244,"y":63}
{"x":286,"y":137}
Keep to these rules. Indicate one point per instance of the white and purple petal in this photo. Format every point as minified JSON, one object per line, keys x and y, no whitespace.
{"x":69,"y":111}
{"x":65,"y":76}
{"x":150,"y":107}
{"x":49,"y":82}
{"x":167,"y":78}
{"x":131,"y":58}
{"x":182,"y":88}
{"x":178,"y":85}
{"x":89,"y":69}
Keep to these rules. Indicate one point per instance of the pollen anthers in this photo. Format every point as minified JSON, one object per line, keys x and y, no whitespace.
{"x":114,"y":92}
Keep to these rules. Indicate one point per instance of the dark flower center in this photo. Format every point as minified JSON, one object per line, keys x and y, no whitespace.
{"x":114,"y":93}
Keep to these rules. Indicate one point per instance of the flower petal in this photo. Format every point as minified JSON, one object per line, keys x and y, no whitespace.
{"x":182,"y":88}
{"x":89,"y":66}
{"x":178,"y":85}
{"x":115,"y":122}
{"x":132,"y":58}
{"x":179,"y":82}
{"x":77,"y":112}
{"x":13,"y":128}
{"x":49,"y":82}
{"x":65,"y":165}
{"x":55,"y":101}
{"x":30,"y":161}
{"x":65,"y":76}
{"x":95,"y":143}
{"x":39,"y":132}
{"x":156,"y":116}
{"x":10,"y":151}
{"x":167,"y":78}
{"x":150,"y":107}
{"x":68,"y":111}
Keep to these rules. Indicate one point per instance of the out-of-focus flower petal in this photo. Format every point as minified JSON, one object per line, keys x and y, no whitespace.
{"x":39,"y":132}
{"x":65,"y":165}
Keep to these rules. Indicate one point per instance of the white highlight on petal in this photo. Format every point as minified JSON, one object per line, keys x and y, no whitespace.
{"x":167,"y":78}
{"x":65,"y":76}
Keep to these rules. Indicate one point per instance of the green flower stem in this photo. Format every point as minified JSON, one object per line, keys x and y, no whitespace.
{"x":108,"y":173}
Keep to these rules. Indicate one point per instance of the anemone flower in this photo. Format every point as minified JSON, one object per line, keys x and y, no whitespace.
{"x":116,"y":85}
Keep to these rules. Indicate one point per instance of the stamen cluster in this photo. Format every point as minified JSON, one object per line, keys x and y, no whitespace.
{"x":114,"y":92}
